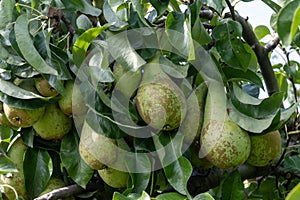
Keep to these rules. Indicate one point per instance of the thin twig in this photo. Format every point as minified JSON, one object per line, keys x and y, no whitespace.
{"x":231,"y":9}
{"x":272,"y":44}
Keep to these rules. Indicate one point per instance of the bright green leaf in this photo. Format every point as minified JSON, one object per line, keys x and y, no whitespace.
{"x":37,"y":170}
{"x":77,"y":169}
{"x":288,"y":22}
{"x":83,"y":42}
{"x":203,"y":196}
{"x":272,"y":5}
{"x":27,"y":48}
{"x":294,"y":194}
{"x":261,"y":31}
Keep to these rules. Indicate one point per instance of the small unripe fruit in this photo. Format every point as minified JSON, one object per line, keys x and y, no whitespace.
{"x":54,"y":124}
{"x":44,"y":88}
{"x":22,"y":117}
{"x":264,"y":148}
{"x":114,"y":178}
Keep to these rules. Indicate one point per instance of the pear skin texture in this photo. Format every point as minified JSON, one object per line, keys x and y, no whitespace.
{"x":54,"y":124}
{"x":264,"y":148}
{"x":225,"y":144}
{"x":114,"y":178}
{"x":156,"y":102}
{"x":4,"y":121}
{"x":44,"y":88}
{"x":16,"y":180}
{"x":22,"y":117}
{"x":95,"y":149}
{"x":53,"y":183}
{"x":72,"y":103}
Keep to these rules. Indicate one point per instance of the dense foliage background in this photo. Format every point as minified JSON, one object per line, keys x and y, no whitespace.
{"x":55,"y":39}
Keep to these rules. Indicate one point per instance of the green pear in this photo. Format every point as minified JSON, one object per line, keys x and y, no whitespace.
{"x":202,"y":163}
{"x":72,"y":103}
{"x":264,"y":148}
{"x":44,"y":87}
{"x":114,"y":178}
{"x":16,"y":180}
{"x":22,"y":117}
{"x":160,"y":102}
{"x":53,"y":183}
{"x":3,"y":119}
{"x":95,"y":149}
{"x":54,"y":124}
{"x":190,"y":129}
{"x":126,"y":81}
{"x":223,"y":142}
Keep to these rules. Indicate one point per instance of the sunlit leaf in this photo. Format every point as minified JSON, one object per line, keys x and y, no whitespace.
{"x":6,"y":165}
{"x":288,"y":22}
{"x":294,"y":194}
{"x":261,"y":31}
{"x":6,"y":12}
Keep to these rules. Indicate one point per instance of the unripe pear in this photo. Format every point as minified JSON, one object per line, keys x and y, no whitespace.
{"x":264,"y":148}
{"x":95,"y":149}
{"x":22,"y":117}
{"x":126,"y":81}
{"x":3,"y":119}
{"x":160,"y":102}
{"x":53,"y":183}
{"x":16,"y":180}
{"x":44,"y":87}
{"x":72,"y":103}
{"x":54,"y":124}
{"x":225,"y":144}
{"x":114,"y":178}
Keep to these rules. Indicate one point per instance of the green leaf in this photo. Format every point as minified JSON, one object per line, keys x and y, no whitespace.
{"x":217,"y":5}
{"x":77,"y":169}
{"x":13,"y":90}
{"x":266,"y":108}
{"x":114,"y":16}
{"x":37,"y":170}
{"x":233,"y":74}
{"x":27,"y":48}
{"x":89,"y":9}
{"x":294,"y":194}
{"x":233,"y":187}
{"x":288,"y":22}
{"x":133,"y":196}
{"x":229,"y":45}
{"x":261,"y":31}
{"x":199,"y":33}
{"x":179,"y":34}
{"x":292,"y":164}
{"x":22,"y":103}
{"x":249,"y":123}
{"x":83,"y":42}
{"x":178,"y":174}
{"x":6,"y":165}
{"x":140,"y":181}
{"x":203,"y":196}
{"x":138,"y":7}
{"x":171,"y":196}
{"x":122,"y":51}
{"x":6,"y":12}
{"x":160,"y":6}
{"x":272,"y":5}
{"x":177,"y":71}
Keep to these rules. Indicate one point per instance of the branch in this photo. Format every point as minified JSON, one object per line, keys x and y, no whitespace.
{"x":261,"y":54}
{"x":69,"y":191}
{"x":273,"y":44}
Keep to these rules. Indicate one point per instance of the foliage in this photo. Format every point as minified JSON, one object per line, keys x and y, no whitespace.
{"x":195,"y":42}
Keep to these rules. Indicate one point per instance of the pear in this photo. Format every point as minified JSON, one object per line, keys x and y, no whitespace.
{"x":222,"y":141}
{"x":16,"y":180}
{"x":202,"y":163}
{"x":54,"y":124}
{"x":160,"y":102}
{"x":95,"y":149}
{"x":114,"y":178}
{"x":264,"y":148}
{"x":53,"y":183}
{"x":72,"y":103}
{"x":226,"y":144}
{"x":44,"y":87}
{"x":126,"y":81}
{"x":22,"y":117}
{"x":3,"y":119}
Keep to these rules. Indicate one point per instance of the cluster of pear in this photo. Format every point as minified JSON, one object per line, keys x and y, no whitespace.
{"x":16,"y":180}
{"x":51,"y":121}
